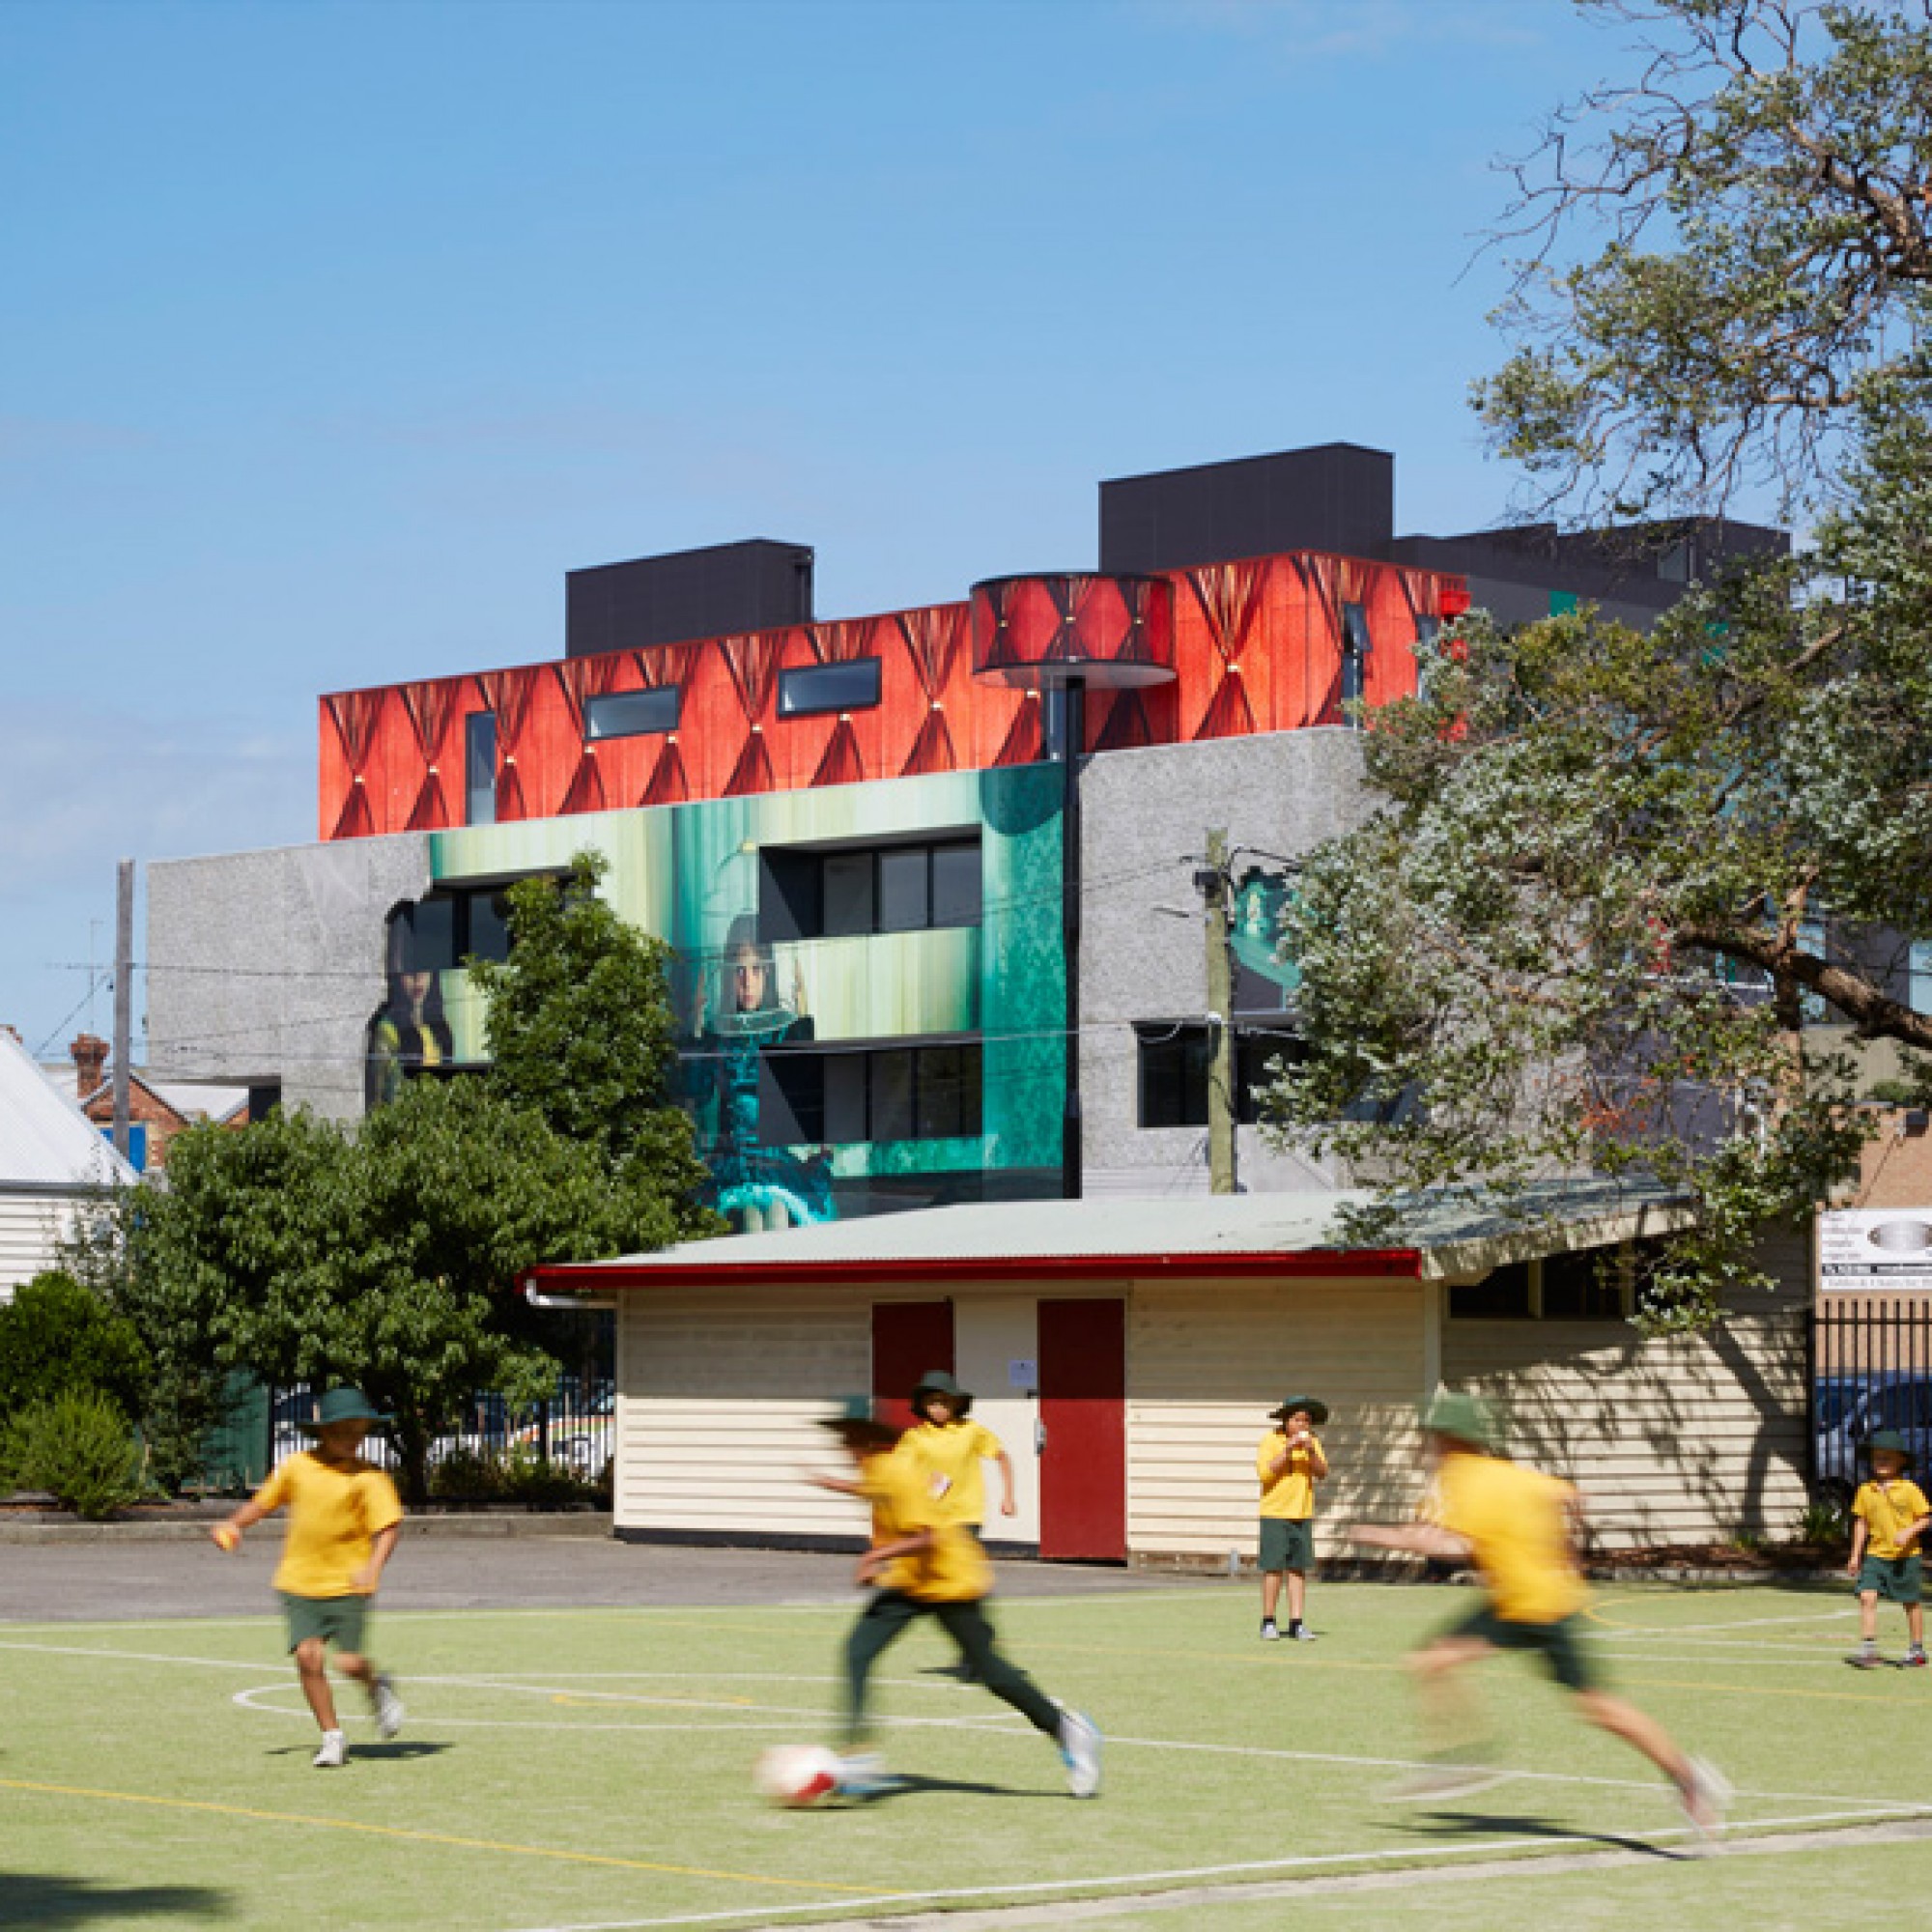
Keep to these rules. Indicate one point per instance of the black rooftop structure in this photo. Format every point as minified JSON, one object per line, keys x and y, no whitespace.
{"x":755,"y":585}
{"x":1340,"y":497}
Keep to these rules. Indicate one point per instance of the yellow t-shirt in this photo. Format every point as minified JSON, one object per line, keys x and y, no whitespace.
{"x":900,"y":1483}
{"x":1292,"y":1493}
{"x":1518,"y":1523}
{"x":335,"y":1516}
{"x":954,"y":1454}
{"x":1889,"y":1510}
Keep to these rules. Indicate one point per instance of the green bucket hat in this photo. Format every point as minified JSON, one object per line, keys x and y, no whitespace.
{"x":936,"y":1381}
{"x":343,"y":1404}
{"x":1466,"y":1417}
{"x":1887,"y":1438}
{"x":1316,"y":1410}
{"x":856,"y":1426}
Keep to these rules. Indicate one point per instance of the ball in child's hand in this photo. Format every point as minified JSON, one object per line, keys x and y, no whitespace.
{"x":228,"y":1536}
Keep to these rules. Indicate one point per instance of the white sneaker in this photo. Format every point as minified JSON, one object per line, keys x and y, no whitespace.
{"x":388,"y":1707}
{"x":334,"y":1751}
{"x":1270,"y":1633}
{"x":1080,"y":1752}
{"x":1705,"y":1800}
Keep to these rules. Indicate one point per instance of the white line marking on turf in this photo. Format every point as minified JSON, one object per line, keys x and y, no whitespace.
{"x":1425,"y":1858}
{"x":1730,"y":1624}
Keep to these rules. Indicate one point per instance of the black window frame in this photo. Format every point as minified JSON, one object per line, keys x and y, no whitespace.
{"x":609,"y":704}
{"x":797,"y":685}
{"x":943,"y":1097}
{"x":794,"y":903}
{"x":479,"y":749}
{"x":1188,"y":1045}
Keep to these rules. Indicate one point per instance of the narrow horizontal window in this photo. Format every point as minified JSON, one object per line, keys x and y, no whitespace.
{"x":631,"y":714}
{"x":814,"y":688}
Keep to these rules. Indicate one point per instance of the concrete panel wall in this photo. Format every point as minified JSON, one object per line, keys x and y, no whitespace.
{"x":1145,"y":819}
{"x":267,"y":966}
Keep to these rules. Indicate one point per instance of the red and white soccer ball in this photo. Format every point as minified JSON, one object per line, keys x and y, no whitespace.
{"x":796,"y":1775}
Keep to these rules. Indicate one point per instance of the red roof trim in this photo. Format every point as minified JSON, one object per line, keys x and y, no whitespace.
{"x":1405,"y":1264}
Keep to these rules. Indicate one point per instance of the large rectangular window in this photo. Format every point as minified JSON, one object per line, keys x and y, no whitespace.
{"x":1176,"y":1063}
{"x":631,"y":714}
{"x":808,"y":894}
{"x":479,"y":768}
{"x":1354,"y":656}
{"x":925,"y":1092}
{"x":815,"y":688}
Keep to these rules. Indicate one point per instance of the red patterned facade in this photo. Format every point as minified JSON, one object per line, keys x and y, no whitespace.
{"x":1256,"y":646}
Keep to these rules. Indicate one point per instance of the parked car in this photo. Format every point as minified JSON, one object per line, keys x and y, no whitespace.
{"x":1897,"y":1398}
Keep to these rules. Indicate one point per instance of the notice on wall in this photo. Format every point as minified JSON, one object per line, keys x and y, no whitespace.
{"x":1022,"y":1375}
{"x":1875,"y":1251}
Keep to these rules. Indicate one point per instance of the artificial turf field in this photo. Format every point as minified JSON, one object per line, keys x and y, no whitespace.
{"x":591,"y":1769}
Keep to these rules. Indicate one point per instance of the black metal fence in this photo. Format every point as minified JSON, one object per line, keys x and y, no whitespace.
{"x":574,"y":1432}
{"x":1871,"y":1368}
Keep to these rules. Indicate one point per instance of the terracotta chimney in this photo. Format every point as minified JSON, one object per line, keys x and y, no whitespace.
{"x":90,"y":1057}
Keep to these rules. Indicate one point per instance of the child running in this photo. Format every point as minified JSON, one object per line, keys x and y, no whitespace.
{"x":344,"y":1517}
{"x":1517,"y":1527}
{"x":919,"y":1566}
{"x":1889,"y":1517}
{"x":1290,"y":1462}
{"x":954,"y":1447}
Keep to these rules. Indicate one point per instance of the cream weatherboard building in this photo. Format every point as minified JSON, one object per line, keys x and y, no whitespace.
{"x":1127,"y":1354}
{"x":53,"y":1161}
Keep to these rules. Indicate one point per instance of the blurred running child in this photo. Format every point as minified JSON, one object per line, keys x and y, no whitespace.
{"x":1519,"y":1528}
{"x":1889,"y":1517}
{"x":919,"y":1566}
{"x":956,"y":1446}
{"x":1290,"y":1462}
{"x":344,"y":1517}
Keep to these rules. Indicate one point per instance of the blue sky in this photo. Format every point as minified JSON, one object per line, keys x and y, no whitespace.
{"x":332,"y":335}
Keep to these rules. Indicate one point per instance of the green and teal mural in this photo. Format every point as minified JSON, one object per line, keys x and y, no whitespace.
{"x":870,"y":980}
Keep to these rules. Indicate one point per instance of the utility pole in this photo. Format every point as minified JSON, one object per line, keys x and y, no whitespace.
{"x":1222,"y":1153}
{"x":124,"y":998}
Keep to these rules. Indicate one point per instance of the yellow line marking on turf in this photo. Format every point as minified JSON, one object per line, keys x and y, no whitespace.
{"x":434,"y":1837}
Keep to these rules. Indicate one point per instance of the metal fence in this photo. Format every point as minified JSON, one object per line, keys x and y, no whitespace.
{"x":574,"y":1431}
{"x":1871,"y":1368}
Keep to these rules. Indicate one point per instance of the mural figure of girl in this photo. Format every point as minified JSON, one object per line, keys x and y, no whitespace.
{"x":755,"y":1185}
{"x":408,"y":1030}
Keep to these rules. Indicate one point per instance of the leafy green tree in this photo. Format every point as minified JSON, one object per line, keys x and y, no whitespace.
{"x":58,"y":1337}
{"x":579,"y":1029}
{"x":1636,"y":905}
{"x":391,"y":1256}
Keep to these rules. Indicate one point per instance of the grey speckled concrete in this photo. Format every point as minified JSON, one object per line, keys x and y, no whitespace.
{"x":132,"y":1582}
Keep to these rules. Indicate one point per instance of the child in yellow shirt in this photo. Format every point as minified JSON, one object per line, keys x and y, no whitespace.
{"x":921,"y":1565}
{"x":954,"y":1446}
{"x":1889,"y":1517}
{"x":1517,"y":1527}
{"x":344,"y":1517}
{"x":1289,"y":1462}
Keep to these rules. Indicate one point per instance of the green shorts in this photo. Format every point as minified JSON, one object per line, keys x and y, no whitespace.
{"x":1559,"y":1644}
{"x":337,"y":1620}
{"x":1899,"y":1579}
{"x":1287,"y":1543}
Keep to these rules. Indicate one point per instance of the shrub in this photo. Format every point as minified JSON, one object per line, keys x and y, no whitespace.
{"x":516,"y":1476}
{"x":58,"y":1337}
{"x":467,"y":1476}
{"x":80,"y":1448}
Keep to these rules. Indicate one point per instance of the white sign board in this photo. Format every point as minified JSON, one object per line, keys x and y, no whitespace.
{"x":1875,"y":1251}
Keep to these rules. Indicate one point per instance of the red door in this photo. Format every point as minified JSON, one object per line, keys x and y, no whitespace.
{"x":1083,"y":1409}
{"x":908,"y":1338}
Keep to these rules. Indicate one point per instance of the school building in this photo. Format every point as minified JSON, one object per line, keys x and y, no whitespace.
{"x":933,"y":885}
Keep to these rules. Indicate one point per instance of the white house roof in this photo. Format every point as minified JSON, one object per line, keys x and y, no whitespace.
{"x":47,"y":1145}
{"x":1437,"y":1234}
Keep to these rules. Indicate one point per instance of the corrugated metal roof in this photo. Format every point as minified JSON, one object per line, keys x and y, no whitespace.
{"x":45,"y":1140}
{"x":1437,"y":1234}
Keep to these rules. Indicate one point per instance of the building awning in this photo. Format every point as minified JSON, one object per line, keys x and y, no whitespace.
{"x":1435,"y":1235}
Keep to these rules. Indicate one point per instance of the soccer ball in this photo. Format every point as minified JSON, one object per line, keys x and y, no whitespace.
{"x":795,"y":1774}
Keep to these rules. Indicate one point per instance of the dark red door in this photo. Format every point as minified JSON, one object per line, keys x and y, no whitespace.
{"x":908,"y":1338}
{"x":1083,"y":1409}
